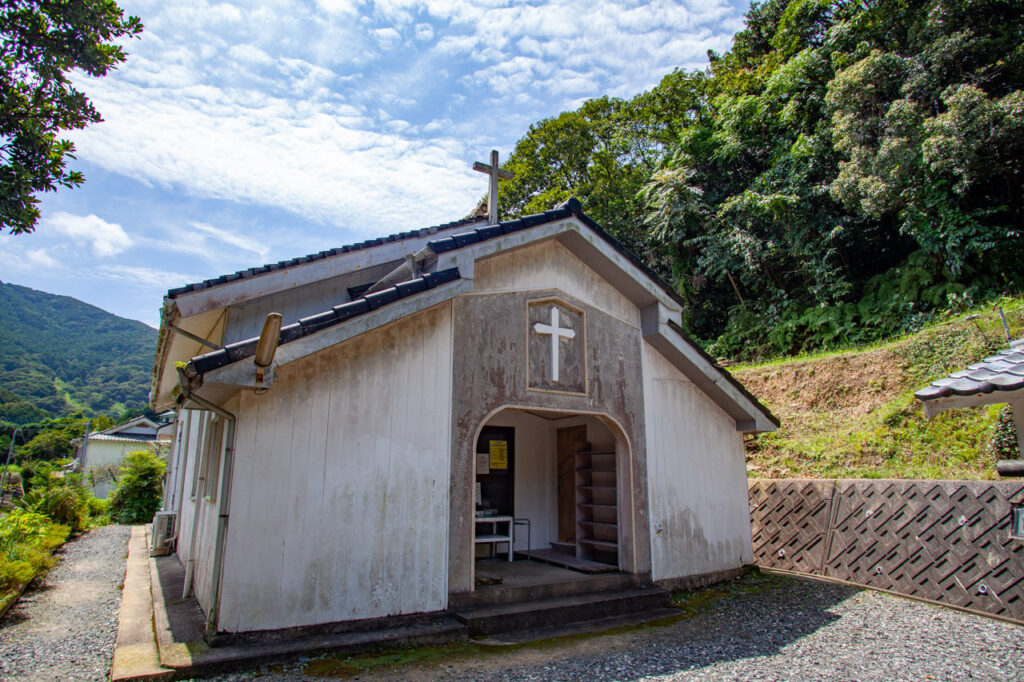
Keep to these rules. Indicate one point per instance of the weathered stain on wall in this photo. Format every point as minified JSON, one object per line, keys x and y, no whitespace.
{"x":548,"y":264}
{"x":339,"y":508}
{"x":696,"y":465}
{"x":490,"y":371}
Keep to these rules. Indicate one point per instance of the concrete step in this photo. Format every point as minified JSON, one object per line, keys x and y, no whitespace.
{"x":544,"y":613}
{"x":493,"y":595}
{"x":656,"y":617}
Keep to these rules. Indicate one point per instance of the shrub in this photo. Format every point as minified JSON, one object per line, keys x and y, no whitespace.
{"x":28,"y":473}
{"x":13,"y":486}
{"x":26,"y":538}
{"x":1004,"y":436}
{"x":139,"y":490}
{"x":60,"y":497}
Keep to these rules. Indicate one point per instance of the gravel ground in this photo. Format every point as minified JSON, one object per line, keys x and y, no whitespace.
{"x":784,"y":630}
{"x":65,"y":629}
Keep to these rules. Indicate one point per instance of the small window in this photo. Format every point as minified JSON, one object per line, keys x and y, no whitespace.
{"x":1017,"y":521}
{"x":214,"y":444}
{"x":200,"y":426}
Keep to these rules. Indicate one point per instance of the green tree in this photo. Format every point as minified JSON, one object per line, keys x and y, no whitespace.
{"x":42,"y":42}
{"x":52,"y":439}
{"x":139,"y":490}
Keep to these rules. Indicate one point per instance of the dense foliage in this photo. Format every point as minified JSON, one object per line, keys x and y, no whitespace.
{"x":41,"y":43}
{"x":26,"y":539}
{"x":59,"y":355}
{"x":139,"y":491}
{"x":845,"y":171}
{"x":60,"y":496}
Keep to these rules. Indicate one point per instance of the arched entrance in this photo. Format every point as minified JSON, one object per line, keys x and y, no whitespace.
{"x":562,"y":484}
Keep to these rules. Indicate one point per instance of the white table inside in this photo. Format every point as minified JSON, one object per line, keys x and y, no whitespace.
{"x":494,"y":537}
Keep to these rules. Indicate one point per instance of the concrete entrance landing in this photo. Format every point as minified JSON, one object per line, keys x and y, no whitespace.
{"x":519,"y":581}
{"x":536,"y":600}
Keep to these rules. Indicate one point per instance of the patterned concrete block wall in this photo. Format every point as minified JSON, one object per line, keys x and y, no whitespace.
{"x":944,"y":541}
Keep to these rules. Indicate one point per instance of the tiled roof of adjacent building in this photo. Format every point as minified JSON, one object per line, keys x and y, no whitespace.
{"x":119,"y":438}
{"x":336,"y":315}
{"x":1001,"y":372}
{"x":281,"y":265}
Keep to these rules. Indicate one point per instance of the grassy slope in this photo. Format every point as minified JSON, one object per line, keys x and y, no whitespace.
{"x":853,"y":414}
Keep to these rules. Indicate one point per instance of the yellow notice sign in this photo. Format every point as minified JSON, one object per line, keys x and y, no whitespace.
{"x":499,"y":454}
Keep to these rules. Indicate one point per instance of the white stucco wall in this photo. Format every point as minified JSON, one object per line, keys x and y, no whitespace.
{"x":197,"y":513}
{"x":549,"y":265}
{"x":102,"y":454}
{"x":697,"y":482}
{"x":339,"y":508}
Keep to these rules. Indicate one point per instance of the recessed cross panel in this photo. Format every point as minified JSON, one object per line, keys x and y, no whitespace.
{"x":556,"y":346}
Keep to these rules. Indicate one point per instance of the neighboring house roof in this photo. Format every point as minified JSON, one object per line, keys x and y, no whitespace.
{"x":107,"y":438}
{"x":996,"y":379}
{"x":144,"y":422}
{"x":452,"y":257}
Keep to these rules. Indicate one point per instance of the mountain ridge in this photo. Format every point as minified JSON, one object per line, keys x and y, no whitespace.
{"x":59,"y":355}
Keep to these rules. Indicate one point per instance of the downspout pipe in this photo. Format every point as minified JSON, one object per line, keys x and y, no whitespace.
{"x":222,"y":501}
{"x":186,"y":590}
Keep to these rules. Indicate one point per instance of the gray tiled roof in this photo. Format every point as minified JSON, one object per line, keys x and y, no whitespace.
{"x":1001,"y":372}
{"x":282,"y":265}
{"x":340,"y":313}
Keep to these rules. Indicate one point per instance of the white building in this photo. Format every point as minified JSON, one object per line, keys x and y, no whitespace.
{"x":531,"y":369}
{"x":99,"y":455}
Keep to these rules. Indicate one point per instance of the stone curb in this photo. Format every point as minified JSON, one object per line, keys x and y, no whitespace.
{"x":135,"y":652}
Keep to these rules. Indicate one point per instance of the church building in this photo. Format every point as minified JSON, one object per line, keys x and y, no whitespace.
{"x":359,"y":427}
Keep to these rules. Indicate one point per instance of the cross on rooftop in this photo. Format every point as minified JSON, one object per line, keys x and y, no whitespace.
{"x":495,"y":172}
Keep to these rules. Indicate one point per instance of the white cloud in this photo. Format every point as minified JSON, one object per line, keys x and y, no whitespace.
{"x":388,"y":38}
{"x":367,"y":114}
{"x":228,"y":237}
{"x":334,"y":7}
{"x":153,"y":278}
{"x":39,"y":258}
{"x":107,"y":239}
{"x":424,"y":32}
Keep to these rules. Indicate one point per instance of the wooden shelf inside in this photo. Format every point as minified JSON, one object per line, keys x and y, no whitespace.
{"x":600,"y":524}
{"x":597,"y":506}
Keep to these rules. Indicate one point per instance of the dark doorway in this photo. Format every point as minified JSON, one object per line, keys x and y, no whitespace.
{"x":495,"y":470}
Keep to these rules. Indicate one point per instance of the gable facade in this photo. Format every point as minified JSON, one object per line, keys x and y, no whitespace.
{"x":346,"y":486}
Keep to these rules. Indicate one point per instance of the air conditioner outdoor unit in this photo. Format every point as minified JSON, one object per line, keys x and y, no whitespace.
{"x":164,"y":533}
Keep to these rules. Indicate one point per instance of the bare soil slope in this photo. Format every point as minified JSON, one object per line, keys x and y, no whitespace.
{"x":853,"y":414}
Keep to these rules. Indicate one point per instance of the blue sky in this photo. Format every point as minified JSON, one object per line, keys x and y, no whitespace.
{"x":242,"y":133}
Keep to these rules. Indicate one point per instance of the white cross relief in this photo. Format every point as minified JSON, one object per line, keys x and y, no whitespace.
{"x":556,"y":333}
